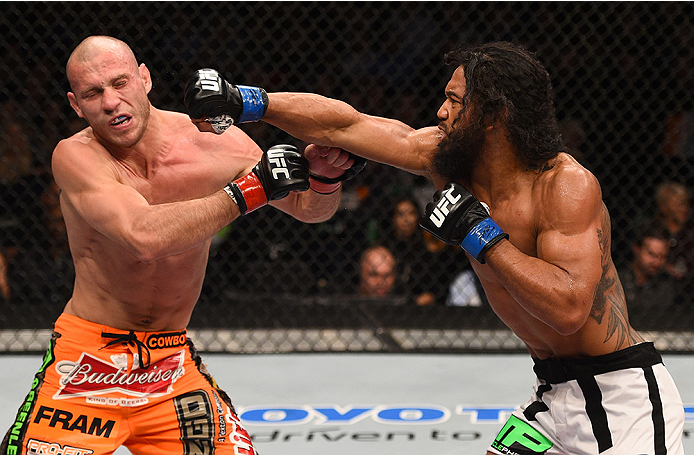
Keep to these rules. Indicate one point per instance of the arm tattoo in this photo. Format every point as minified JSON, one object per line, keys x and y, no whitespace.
{"x":609,"y":294}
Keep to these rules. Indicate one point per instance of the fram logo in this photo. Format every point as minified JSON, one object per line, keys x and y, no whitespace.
{"x":386,"y":414}
{"x":82,"y":423}
{"x":91,"y":376}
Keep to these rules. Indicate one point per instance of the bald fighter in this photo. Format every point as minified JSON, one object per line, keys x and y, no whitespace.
{"x":538,"y":234}
{"x":143,"y":193}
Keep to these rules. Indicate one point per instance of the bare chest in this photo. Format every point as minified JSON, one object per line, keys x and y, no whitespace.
{"x":185,"y":173}
{"x":518,"y":218}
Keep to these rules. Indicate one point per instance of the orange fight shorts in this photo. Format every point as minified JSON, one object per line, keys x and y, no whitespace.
{"x":100,"y":388}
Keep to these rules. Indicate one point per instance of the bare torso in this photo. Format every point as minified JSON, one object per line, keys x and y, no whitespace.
{"x":112,"y":286}
{"x":554,"y":283}
{"x":523,"y":215}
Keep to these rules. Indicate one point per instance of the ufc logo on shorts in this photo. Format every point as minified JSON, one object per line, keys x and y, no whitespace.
{"x":438,"y":215}
{"x":209,"y":80}
{"x":276,"y":158}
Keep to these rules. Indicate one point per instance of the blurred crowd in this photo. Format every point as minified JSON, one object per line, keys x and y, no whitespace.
{"x":624,"y":104}
{"x":372,"y":248}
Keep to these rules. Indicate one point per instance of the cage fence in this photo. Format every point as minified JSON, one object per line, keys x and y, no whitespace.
{"x":623,"y":74}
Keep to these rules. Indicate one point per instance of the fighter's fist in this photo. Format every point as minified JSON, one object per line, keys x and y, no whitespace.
{"x":457,"y":217}
{"x":329,"y":166}
{"x":281,"y":170}
{"x":214,"y":104}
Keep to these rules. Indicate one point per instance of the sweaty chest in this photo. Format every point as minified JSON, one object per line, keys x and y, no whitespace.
{"x":519,"y":219}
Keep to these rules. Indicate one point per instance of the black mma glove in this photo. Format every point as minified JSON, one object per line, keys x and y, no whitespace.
{"x":281,"y":170}
{"x":457,"y":217}
{"x":208,"y":94}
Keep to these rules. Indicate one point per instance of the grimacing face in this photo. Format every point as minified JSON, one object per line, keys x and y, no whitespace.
{"x":110,"y":93}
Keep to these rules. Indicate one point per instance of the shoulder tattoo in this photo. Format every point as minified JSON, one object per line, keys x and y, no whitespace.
{"x":609,"y":297}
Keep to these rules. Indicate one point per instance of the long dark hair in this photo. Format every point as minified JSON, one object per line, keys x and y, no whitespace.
{"x":505,"y":82}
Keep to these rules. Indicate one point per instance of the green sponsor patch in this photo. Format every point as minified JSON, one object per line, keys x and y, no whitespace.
{"x":519,"y":438}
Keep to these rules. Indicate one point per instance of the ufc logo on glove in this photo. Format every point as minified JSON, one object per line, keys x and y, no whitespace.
{"x":209,"y":80}
{"x":438,"y":216}
{"x":276,"y":159}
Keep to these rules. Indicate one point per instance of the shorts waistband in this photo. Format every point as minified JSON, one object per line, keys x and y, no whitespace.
{"x":92,"y":333}
{"x":556,"y":371}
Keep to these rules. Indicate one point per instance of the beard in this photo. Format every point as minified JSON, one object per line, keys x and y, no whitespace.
{"x":459,"y":152}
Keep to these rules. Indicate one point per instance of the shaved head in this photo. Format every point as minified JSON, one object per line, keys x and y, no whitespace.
{"x":109,"y":89}
{"x":91,"y":47}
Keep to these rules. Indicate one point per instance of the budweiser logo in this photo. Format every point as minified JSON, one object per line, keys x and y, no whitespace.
{"x":91,"y":376}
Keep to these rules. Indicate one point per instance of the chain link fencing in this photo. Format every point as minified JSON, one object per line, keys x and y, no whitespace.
{"x":623,"y":74}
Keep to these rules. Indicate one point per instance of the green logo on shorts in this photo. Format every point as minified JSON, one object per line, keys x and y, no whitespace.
{"x":519,"y":438}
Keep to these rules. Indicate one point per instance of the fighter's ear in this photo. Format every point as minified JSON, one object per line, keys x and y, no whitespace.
{"x":73,"y":103}
{"x":146,"y":77}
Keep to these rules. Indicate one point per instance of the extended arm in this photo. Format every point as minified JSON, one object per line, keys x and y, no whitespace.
{"x":213,"y":104}
{"x":325,"y":121}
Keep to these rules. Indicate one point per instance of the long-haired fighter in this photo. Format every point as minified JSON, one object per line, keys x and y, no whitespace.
{"x":143,"y":193}
{"x":533,"y":222}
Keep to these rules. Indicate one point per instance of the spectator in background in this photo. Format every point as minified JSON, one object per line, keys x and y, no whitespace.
{"x":645,"y":280}
{"x":404,"y":238}
{"x":424,"y":263}
{"x":650,"y":291}
{"x":674,"y":217}
{"x":377,"y":272}
{"x":466,"y":290}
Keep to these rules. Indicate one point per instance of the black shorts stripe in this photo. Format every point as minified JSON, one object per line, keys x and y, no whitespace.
{"x":657,"y":414}
{"x":596,"y":412}
{"x":537,"y":406}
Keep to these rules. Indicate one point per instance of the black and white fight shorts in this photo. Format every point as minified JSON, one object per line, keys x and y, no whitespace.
{"x":623,"y":403}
